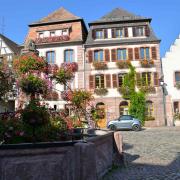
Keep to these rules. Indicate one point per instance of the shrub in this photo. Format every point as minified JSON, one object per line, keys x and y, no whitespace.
{"x":29,"y":63}
{"x":31,"y":84}
{"x":35,"y":114}
{"x":149,"y":118}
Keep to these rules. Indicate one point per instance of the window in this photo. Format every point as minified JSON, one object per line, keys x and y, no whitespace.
{"x":149,"y":109}
{"x":139,"y":31}
{"x":146,"y":78}
{"x":119,"y":33}
{"x":69,"y":55}
{"x":99,"y":34}
{"x":65,"y":32}
{"x":177,"y":77}
{"x":99,"y":81}
{"x":52,"y":33}
{"x":144,"y":53}
{"x":121,"y":54}
{"x":124,"y":108}
{"x":176,"y":106}
{"x":121,"y":79}
{"x":50,"y":57}
{"x":98,"y":55}
{"x":41,"y":35}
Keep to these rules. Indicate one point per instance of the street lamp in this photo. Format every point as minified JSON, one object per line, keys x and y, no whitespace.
{"x":163,"y":85}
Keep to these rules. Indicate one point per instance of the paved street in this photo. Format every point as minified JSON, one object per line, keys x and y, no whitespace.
{"x":150,"y":154}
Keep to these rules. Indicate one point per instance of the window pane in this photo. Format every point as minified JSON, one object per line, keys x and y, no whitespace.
{"x":119,"y":33}
{"x":121,"y":54}
{"x":50,"y":57}
{"x":69,"y":55}
{"x":99,"y":34}
{"x":97,"y":82}
{"x":177,"y":76}
{"x":147,"y":53}
{"x":142,"y":53}
{"x":98,"y":55}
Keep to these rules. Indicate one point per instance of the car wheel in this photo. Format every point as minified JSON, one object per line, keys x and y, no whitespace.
{"x":136,"y":127}
{"x":112,"y":127}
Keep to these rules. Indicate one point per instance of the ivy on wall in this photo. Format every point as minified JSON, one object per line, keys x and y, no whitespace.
{"x":137,"y":99}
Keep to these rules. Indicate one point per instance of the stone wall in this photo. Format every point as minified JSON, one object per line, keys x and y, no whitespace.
{"x":68,"y":161}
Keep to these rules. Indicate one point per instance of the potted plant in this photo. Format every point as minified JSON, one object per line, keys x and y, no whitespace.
{"x":101,"y":91}
{"x":99,"y":65}
{"x":123,"y":64}
{"x":177,"y":85}
{"x":177,"y":119}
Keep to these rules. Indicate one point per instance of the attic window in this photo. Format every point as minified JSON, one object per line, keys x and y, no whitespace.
{"x":52,"y":33}
{"x":65,"y":32}
{"x":41,"y":35}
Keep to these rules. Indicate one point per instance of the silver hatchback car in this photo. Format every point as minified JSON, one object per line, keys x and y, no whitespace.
{"x":125,"y":122}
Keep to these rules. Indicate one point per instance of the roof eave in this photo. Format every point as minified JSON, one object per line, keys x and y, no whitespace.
{"x":54,"y":22}
{"x":119,"y":21}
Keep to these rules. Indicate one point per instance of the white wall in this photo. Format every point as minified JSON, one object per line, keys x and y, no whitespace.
{"x":170,"y":64}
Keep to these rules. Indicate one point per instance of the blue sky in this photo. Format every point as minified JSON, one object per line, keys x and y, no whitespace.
{"x":18,"y":14}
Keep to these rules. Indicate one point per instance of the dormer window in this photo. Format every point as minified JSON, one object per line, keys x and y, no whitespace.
{"x":52,"y":33}
{"x":41,"y":35}
{"x":99,"y":34}
{"x":65,"y":32}
{"x":120,"y":33}
{"x":138,"y":31}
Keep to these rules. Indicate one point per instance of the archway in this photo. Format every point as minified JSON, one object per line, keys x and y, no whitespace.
{"x":124,"y":108}
{"x":101,"y":111}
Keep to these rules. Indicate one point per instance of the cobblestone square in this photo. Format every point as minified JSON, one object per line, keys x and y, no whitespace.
{"x":153,"y":153}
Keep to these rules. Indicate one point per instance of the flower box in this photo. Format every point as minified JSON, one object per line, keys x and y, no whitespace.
{"x":125,"y":91}
{"x":99,"y":65}
{"x":123,"y":64}
{"x":146,"y":63}
{"x":148,"y":89}
{"x":150,"y":118}
{"x":101,"y":91}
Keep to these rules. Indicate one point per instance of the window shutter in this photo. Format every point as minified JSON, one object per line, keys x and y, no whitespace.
{"x":126,"y":31}
{"x":136,"y":53}
{"x":113,"y":55}
{"x":91,"y":82}
{"x":154,"y":53}
{"x":114,"y":79}
{"x":108,"y":81}
{"x":147,"y":31}
{"x":107,"y":56}
{"x":113,"y":33}
{"x":130,"y":54}
{"x":138,"y":79}
{"x":156,"y":79}
{"x":94,"y":34}
{"x":134,"y":31}
{"x":105,"y":34}
{"x":90,"y":56}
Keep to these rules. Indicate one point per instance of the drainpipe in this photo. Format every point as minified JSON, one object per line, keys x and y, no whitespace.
{"x":163,"y":85}
{"x":84,"y":66}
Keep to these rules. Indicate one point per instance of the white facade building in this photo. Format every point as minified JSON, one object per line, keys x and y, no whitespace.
{"x":171,"y":71}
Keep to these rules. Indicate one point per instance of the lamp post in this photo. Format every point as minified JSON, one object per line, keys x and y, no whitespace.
{"x":163,"y":85}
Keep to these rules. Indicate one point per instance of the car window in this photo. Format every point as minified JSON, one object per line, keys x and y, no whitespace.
{"x":126,"y":117}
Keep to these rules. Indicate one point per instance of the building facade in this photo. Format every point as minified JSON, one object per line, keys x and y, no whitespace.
{"x":8,"y":49}
{"x":118,"y":37}
{"x":171,"y":71}
{"x":59,"y":38}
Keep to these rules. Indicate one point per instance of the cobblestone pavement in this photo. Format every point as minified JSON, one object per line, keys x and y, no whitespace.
{"x":151,"y":154}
